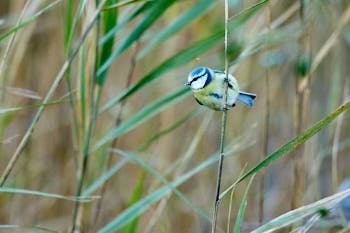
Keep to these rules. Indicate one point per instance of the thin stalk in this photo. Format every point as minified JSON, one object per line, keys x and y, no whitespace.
{"x":53,"y":87}
{"x":99,"y":203}
{"x":298,"y":118}
{"x":78,"y":210}
{"x":223,"y":125}
{"x":86,"y":145}
{"x":266,"y":128}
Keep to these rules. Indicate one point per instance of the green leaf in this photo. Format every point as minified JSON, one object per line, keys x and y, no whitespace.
{"x":132,"y":227}
{"x":30,"y":19}
{"x":183,"y":20}
{"x":302,"y":212}
{"x":155,"y":12}
{"x":124,"y":3}
{"x":292,"y":144}
{"x":42,"y":194}
{"x":122,"y":22}
{"x":143,"y":204}
{"x":241,"y":211}
{"x":194,"y":113}
{"x":104,"y":177}
{"x":145,"y":113}
{"x":109,"y":21}
{"x":14,"y":109}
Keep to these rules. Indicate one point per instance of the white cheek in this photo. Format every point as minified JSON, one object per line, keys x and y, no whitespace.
{"x":199,"y":83}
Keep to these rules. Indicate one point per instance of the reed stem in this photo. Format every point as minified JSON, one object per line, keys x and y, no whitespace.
{"x":223,"y":125}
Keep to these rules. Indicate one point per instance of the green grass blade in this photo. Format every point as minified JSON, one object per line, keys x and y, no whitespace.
{"x":242,"y":208}
{"x":68,"y":23}
{"x":302,"y":212}
{"x":132,"y":227}
{"x":83,"y":91}
{"x":142,"y":205}
{"x":43,"y":194}
{"x":109,"y":21}
{"x":183,"y":20}
{"x":104,"y":177}
{"x":155,"y":12}
{"x":14,"y":109}
{"x":122,"y":23}
{"x":145,"y":113}
{"x":292,"y":144}
{"x":178,"y":123}
{"x":30,"y":19}
{"x":124,"y":3}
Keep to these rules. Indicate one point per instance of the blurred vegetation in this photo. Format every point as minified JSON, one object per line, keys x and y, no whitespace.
{"x":78,"y":78}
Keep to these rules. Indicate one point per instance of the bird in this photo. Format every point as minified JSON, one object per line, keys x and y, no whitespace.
{"x":208,"y":88}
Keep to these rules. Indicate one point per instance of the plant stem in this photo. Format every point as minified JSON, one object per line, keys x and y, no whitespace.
{"x":266,"y":128}
{"x":223,"y":125}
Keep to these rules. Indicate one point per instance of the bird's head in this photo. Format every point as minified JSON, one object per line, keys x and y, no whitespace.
{"x":200,"y":78}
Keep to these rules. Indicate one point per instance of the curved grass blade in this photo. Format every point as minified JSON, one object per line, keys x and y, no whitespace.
{"x":145,"y":113}
{"x":155,"y":12}
{"x":43,"y":194}
{"x":292,"y":144}
{"x":302,"y":212}
{"x":109,"y":19}
{"x":142,"y":205}
{"x":14,"y":109}
{"x":123,"y":3}
{"x":183,"y":20}
{"x":30,"y":19}
{"x":241,"y":211}
{"x":122,"y":23}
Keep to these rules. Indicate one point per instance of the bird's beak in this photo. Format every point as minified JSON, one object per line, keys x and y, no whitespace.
{"x":187,"y":83}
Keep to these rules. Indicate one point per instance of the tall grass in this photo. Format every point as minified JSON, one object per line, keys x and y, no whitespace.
{"x":97,"y":130}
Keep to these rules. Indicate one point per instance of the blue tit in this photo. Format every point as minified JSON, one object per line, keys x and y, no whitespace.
{"x":208,"y":87}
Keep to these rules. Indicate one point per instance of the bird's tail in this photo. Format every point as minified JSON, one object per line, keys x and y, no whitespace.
{"x":246,"y":98}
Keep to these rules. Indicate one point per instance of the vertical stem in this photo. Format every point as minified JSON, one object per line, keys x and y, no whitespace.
{"x":266,"y":128}
{"x":87,"y":138}
{"x":223,"y":125}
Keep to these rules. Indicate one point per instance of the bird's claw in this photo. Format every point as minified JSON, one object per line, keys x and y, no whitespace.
{"x":226,"y":80}
{"x":223,"y":109}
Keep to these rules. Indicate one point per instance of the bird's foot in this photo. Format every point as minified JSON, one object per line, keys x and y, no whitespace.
{"x":223,"y":109}
{"x":226,"y":79}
